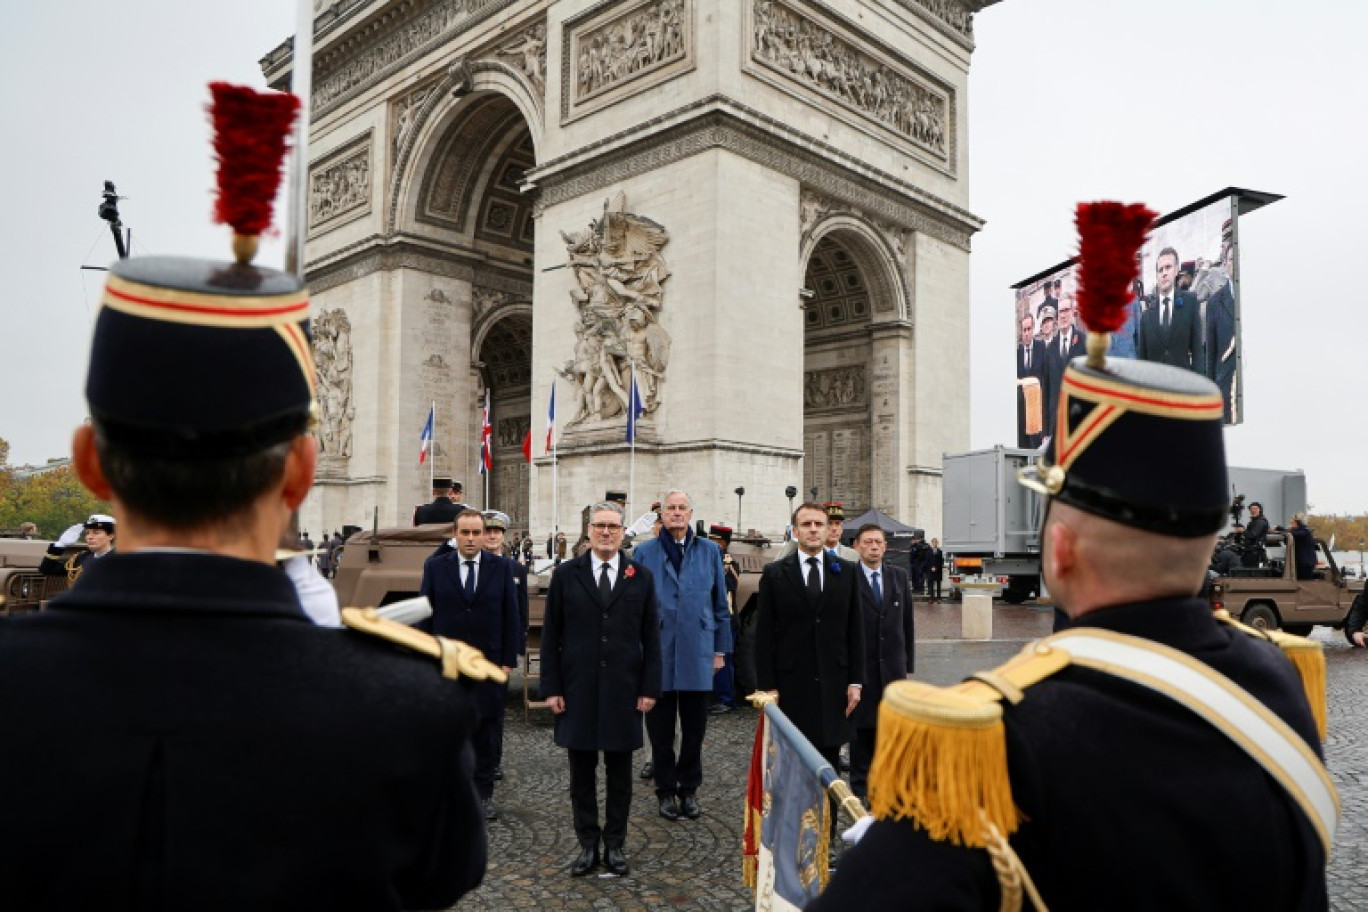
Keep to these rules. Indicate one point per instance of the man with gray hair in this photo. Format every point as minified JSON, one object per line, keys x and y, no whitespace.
{"x":695,"y":636}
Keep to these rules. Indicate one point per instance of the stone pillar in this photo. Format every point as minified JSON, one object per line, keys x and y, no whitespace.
{"x":976,"y":616}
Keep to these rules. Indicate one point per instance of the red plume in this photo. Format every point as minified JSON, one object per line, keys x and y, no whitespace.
{"x":250,"y":129}
{"x":1109,"y":239}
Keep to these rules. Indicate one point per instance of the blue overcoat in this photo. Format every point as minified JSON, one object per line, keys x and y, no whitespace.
{"x":695,"y":622}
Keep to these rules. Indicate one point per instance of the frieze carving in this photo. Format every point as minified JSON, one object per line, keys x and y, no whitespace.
{"x":951,"y":13}
{"x":333,"y":361}
{"x":650,"y":36}
{"x":529,"y":53}
{"x":486,"y":299}
{"x":340,"y":185}
{"x":406,"y":111}
{"x":401,"y":42}
{"x":510,"y":432}
{"x":619,"y":291}
{"x":837,"y":387}
{"x":799,"y":48}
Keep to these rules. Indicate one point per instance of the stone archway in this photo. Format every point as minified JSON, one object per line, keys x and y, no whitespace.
{"x":503,"y":353}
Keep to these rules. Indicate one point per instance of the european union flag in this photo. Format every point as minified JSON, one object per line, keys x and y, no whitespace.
{"x":634,"y":410}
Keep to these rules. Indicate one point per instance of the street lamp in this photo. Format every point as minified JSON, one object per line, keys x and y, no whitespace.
{"x":791,"y":492}
{"x":740,"y":492}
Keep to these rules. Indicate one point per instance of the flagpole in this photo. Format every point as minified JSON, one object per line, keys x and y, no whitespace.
{"x":486,"y":450}
{"x":631,"y":424}
{"x":555,"y":470}
{"x":432,"y":445}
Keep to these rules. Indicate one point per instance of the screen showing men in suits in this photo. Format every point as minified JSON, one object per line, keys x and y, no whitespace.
{"x":1184,"y":312}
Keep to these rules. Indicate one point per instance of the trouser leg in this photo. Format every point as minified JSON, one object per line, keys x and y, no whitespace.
{"x":861,"y":756}
{"x":584,"y":796}
{"x":660,"y":726}
{"x":693,"y":725}
{"x":617,"y":770}
{"x":486,"y":743}
{"x":724,"y":682}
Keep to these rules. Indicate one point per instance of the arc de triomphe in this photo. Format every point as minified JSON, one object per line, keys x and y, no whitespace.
{"x":754,"y":208}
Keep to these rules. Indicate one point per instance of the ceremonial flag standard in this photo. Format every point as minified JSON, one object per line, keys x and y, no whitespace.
{"x":426,"y":436}
{"x":551,"y":418}
{"x":486,"y":441}
{"x":784,"y":847}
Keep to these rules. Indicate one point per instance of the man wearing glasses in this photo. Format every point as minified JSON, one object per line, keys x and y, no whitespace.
{"x":600,"y":667}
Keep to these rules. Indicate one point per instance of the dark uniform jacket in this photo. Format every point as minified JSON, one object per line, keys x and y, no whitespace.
{"x":600,"y":656}
{"x":810,"y":650}
{"x":1131,"y":801}
{"x":190,"y":740}
{"x":53,"y":563}
{"x":441,"y":510}
{"x":490,"y":622}
{"x":889,"y":639}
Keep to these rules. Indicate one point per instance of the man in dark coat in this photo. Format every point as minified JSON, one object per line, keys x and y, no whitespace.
{"x":1303,"y":547}
{"x":1220,"y":334}
{"x":1108,"y":734}
{"x":191,"y":740}
{"x":1032,"y":385}
{"x":809,"y":636}
{"x":935,"y":569}
{"x":474,"y":598}
{"x":1254,"y":535}
{"x":600,"y":668}
{"x":445,"y":506}
{"x":1171,"y":327}
{"x":889,"y":641}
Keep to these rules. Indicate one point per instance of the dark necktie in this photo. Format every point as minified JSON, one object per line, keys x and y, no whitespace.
{"x":1164,"y":314}
{"x":605,"y":584}
{"x":878,"y":590}
{"x":470,"y":581}
{"x":814,"y":580}
{"x":1028,"y":358}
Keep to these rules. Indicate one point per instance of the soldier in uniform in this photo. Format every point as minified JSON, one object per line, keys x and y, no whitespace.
{"x":99,"y":536}
{"x":190,"y":739}
{"x":1152,"y":756}
{"x":445,"y":506}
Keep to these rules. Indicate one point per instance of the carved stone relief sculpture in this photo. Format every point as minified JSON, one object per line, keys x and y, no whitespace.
{"x":529,"y":53}
{"x":619,"y":291}
{"x":619,"y":50}
{"x":838,"y":387}
{"x":333,"y":359}
{"x":802,"y":50}
{"x":813,"y":207}
{"x":510,"y":432}
{"x":341,"y":185}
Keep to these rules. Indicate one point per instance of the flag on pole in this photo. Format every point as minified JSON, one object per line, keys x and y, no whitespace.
{"x":486,"y":441}
{"x":551,"y":418}
{"x":426,"y":436}
{"x":527,"y":445}
{"x":634,"y":410}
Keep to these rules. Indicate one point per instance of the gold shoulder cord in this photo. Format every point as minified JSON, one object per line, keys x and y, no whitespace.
{"x":1307,"y":657}
{"x":458,"y":659}
{"x":73,"y":570}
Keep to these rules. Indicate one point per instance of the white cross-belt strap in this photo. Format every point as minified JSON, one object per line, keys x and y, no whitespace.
{"x":1282,"y":753}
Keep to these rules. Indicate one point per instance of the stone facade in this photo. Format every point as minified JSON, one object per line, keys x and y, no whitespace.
{"x":757,"y":208}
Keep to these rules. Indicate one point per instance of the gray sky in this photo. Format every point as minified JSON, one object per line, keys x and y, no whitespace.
{"x":1160,"y":101}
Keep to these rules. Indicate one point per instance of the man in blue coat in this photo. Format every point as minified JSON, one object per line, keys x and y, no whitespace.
{"x":475,"y":600}
{"x":695,"y":636}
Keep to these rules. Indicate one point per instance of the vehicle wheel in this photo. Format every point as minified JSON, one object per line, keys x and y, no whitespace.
{"x":1261,"y":616}
{"x":1300,"y":630}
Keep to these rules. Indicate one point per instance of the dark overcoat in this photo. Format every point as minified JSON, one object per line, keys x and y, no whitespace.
{"x":889,"y":639}
{"x":600,"y":656}
{"x":441,"y":510}
{"x":810,"y":650}
{"x":186,"y":738}
{"x":1130,"y":800}
{"x":491,"y":622}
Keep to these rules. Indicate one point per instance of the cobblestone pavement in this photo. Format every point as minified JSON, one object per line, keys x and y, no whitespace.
{"x":695,"y":865}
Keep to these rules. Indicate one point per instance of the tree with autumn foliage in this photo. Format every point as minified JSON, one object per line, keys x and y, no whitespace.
{"x":53,"y":500}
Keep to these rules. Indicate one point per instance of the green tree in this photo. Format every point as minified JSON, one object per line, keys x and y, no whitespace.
{"x":53,"y":500}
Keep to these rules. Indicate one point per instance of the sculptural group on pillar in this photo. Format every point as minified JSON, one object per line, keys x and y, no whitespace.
{"x":619,"y":290}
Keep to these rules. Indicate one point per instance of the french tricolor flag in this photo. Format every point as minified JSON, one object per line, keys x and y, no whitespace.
{"x":427,"y":434}
{"x":551,"y":418}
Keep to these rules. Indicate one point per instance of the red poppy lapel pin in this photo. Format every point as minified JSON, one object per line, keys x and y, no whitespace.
{"x":629,"y":572}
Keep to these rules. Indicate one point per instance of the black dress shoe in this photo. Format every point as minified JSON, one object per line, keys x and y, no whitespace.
{"x":688,"y":806}
{"x":490,"y":812}
{"x":586,"y":862}
{"x":669,"y":808}
{"x":719,"y":709}
{"x":615,"y":861}
{"x":648,"y":770}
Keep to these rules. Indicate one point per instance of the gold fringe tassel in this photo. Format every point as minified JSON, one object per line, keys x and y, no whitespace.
{"x":941,"y":758}
{"x":824,"y":845}
{"x":1308,"y":657}
{"x":750,"y":864}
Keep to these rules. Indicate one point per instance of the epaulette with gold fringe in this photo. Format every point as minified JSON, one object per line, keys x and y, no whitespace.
{"x":941,"y":757}
{"x":1307,"y":657}
{"x":458,"y":659}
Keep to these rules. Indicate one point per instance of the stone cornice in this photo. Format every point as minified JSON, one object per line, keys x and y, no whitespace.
{"x":952,"y":18}
{"x":374,"y":254}
{"x":719,"y":122}
{"x":566,"y":448}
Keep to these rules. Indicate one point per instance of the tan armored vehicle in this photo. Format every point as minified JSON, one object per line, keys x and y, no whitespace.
{"x":1270,"y":595}
{"x":22,"y":587}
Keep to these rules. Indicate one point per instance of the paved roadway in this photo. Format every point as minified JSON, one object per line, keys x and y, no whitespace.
{"x":696,"y":865}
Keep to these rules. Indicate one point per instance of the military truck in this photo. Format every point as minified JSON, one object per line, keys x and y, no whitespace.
{"x":22,"y":587}
{"x":1270,"y":595}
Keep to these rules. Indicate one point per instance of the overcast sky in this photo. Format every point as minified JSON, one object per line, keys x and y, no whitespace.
{"x":1157,"y":101}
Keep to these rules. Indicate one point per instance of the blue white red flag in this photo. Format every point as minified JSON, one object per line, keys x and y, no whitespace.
{"x":426,"y":436}
{"x":634,"y":410}
{"x":486,"y":441}
{"x":551,"y":418}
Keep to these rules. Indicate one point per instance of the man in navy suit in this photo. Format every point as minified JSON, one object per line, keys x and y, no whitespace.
{"x":1220,"y":314}
{"x":1068,"y":343}
{"x":809,"y":636}
{"x":600,"y":667}
{"x":1170,"y":327}
{"x":889,"y":639}
{"x":475,"y":600}
{"x":1030,"y":365}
